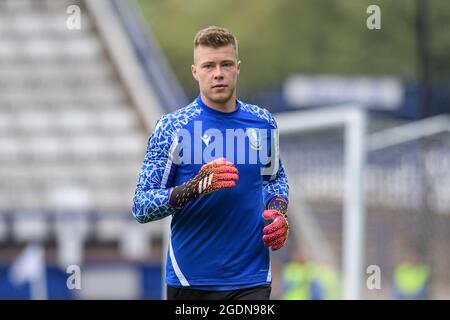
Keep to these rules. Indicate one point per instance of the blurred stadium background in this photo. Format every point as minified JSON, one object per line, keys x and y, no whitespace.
{"x":77,"y":107}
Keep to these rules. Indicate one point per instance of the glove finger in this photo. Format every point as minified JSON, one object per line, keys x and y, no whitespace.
{"x":269,"y":214}
{"x":226,"y":176}
{"x":277,"y":247}
{"x":279,"y":243}
{"x":274,"y":240}
{"x":279,"y":223}
{"x":223,"y":184}
{"x":267,"y":239}
{"x":224,"y":169}
{"x":266,"y":243}
{"x":213,"y":163}
{"x":219,"y":162}
{"x":274,"y":236}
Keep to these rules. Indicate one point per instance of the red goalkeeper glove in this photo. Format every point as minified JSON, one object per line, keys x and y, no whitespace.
{"x":215,"y":175}
{"x":276,"y":233}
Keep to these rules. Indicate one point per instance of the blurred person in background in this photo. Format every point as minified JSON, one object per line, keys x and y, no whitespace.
{"x":412,"y":277}
{"x":219,"y":241}
{"x":306,"y":279}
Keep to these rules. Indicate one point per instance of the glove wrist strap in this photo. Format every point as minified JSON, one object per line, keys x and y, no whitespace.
{"x":279,"y":204}
{"x":182,"y":194}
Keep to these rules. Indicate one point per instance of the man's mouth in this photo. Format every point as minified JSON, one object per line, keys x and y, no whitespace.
{"x":220,"y":86}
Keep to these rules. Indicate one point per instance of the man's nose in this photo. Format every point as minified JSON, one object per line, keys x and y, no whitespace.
{"x":218,"y":74}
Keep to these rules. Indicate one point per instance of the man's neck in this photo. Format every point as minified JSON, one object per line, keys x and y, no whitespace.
{"x":228,"y":106}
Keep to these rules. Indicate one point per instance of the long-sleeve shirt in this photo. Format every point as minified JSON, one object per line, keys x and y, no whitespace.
{"x":216,"y":239}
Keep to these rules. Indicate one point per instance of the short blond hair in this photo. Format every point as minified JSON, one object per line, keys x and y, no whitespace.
{"x":215,"y":37}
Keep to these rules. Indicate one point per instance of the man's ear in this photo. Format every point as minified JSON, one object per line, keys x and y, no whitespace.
{"x":239,"y":67}
{"x":194,"y":71}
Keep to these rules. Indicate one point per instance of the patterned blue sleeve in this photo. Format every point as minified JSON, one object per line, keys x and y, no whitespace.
{"x":150,"y":200}
{"x":277,"y":184}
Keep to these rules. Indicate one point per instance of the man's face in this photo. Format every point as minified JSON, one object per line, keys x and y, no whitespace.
{"x":216,"y":70}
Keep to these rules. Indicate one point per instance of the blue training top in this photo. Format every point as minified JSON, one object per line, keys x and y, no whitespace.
{"x":216,"y":239}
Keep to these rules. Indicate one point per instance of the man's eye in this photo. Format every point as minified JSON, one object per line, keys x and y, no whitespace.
{"x":207,"y":66}
{"x":227,"y":64}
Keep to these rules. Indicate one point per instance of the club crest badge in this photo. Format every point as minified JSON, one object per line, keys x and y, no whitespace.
{"x":254,"y":136}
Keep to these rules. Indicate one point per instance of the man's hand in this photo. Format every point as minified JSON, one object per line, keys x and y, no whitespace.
{"x":276,"y":233}
{"x":213,"y":176}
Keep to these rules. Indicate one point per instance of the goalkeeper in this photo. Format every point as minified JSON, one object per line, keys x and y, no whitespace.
{"x":227,"y":211}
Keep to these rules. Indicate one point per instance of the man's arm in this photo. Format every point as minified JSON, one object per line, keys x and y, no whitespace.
{"x":151,"y":197}
{"x":276,"y":193}
{"x":275,"y":184}
{"x":276,"y":199}
{"x":154,"y":199}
